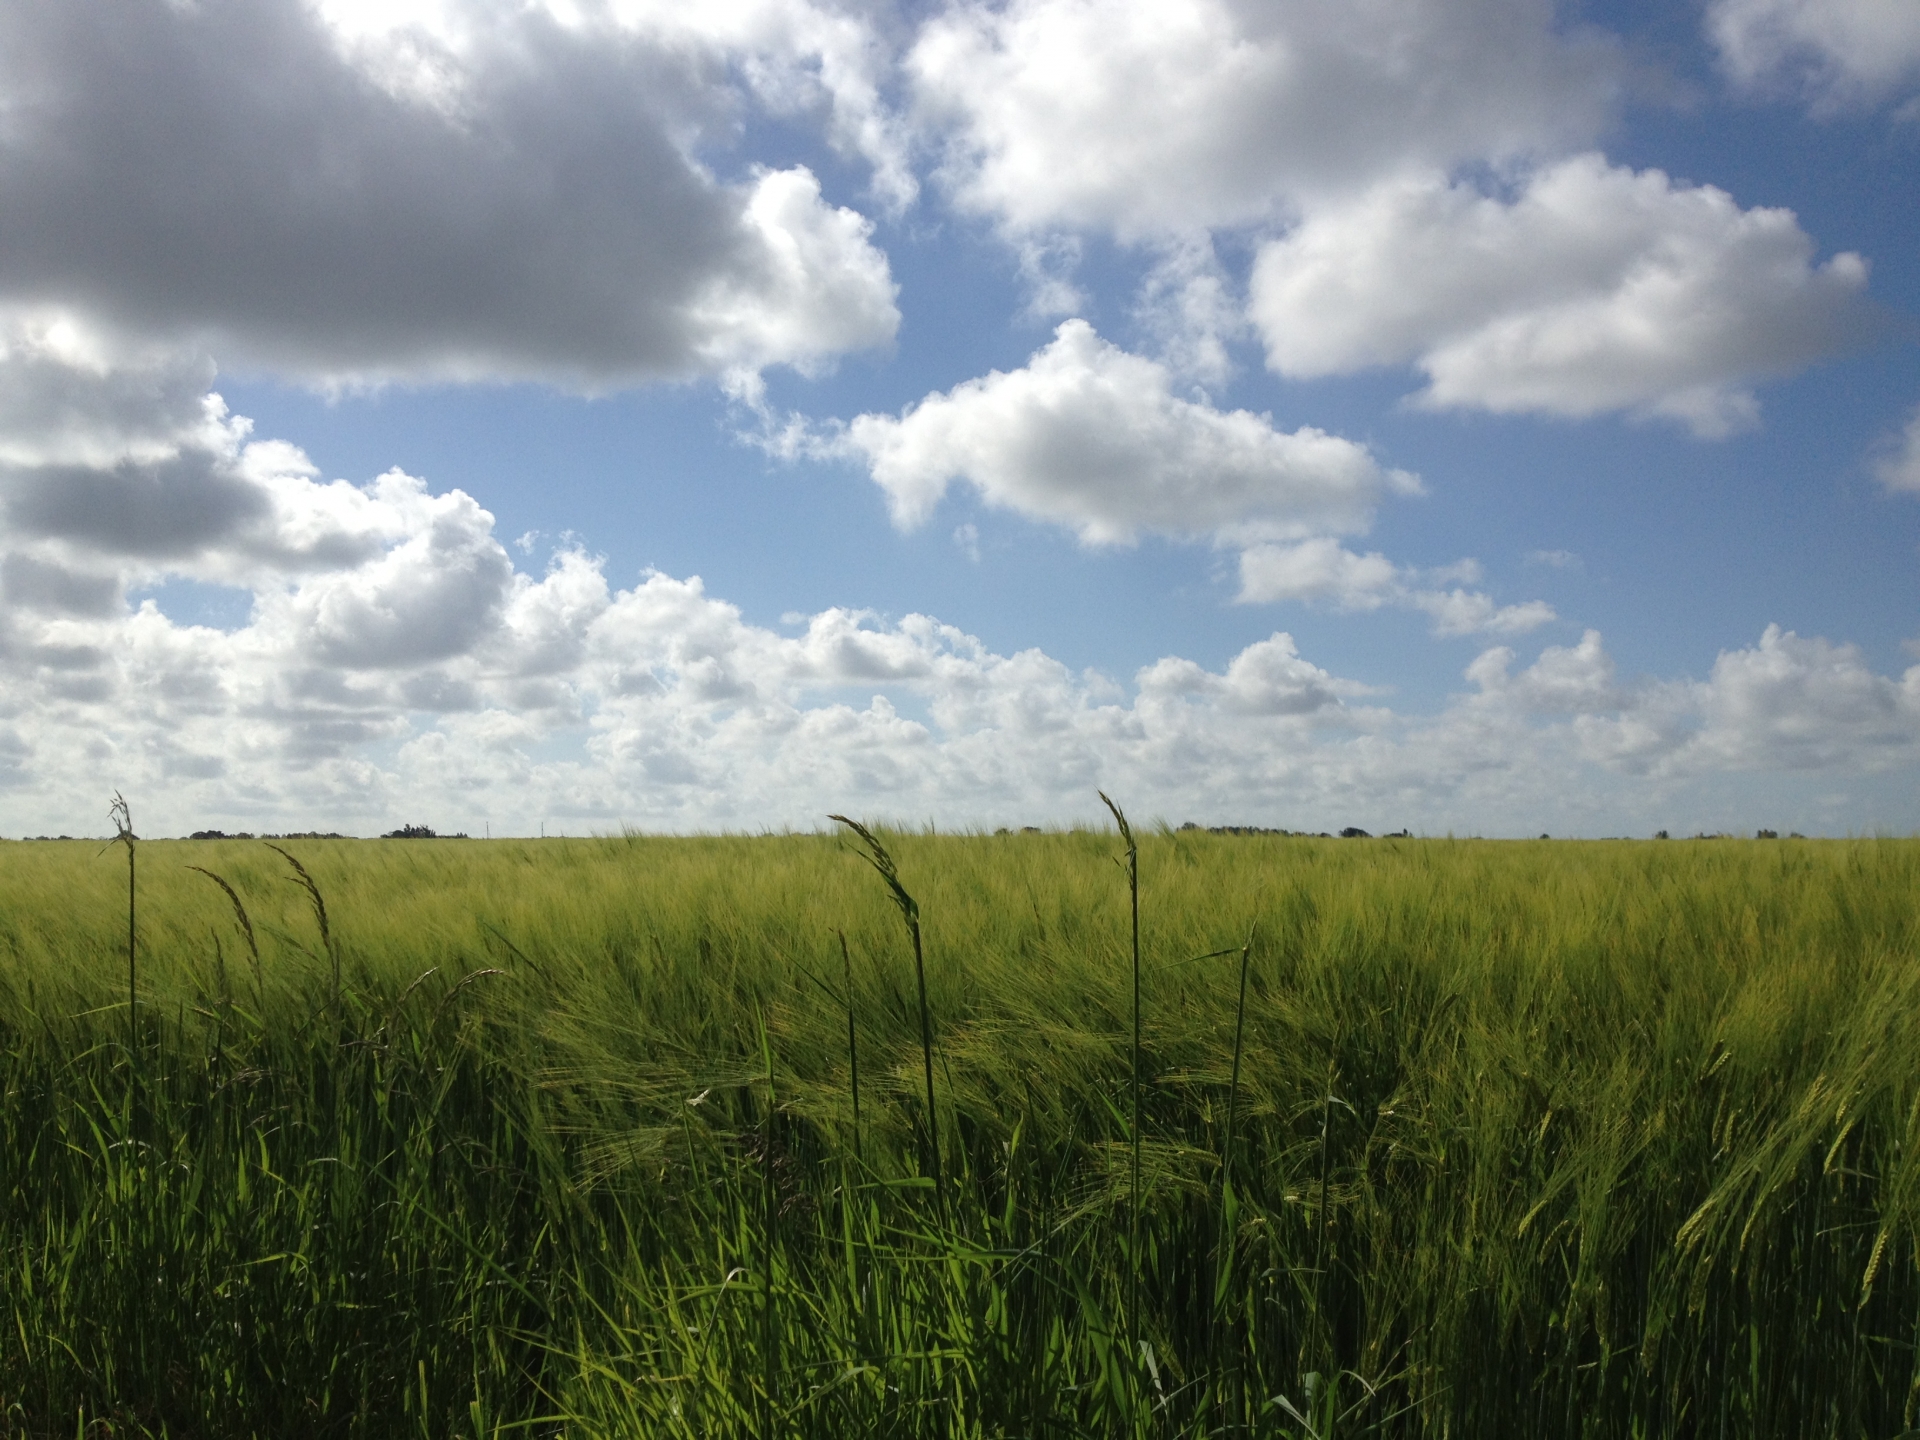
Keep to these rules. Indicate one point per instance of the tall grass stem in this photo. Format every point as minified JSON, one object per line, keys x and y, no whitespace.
{"x":122,"y":818}
{"x":1132,"y":866}
{"x":239,"y":914}
{"x":306,"y":882}
{"x":853,"y":1044}
{"x":1223,"y":1284}
{"x":878,"y":857}
{"x":770,"y":1195}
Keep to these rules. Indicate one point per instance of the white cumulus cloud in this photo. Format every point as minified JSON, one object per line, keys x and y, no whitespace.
{"x":1151,"y":117}
{"x":1804,"y":703}
{"x":1593,"y":289}
{"x":1093,"y":438}
{"x":1269,"y":677}
{"x":815,"y":288}
{"x":1564,"y":680}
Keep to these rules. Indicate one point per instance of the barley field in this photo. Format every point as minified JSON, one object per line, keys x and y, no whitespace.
{"x":631,"y":1136}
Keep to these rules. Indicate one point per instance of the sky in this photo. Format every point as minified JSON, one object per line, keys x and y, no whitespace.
{"x":1476,"y":417}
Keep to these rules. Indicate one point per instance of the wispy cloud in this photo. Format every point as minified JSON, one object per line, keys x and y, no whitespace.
{"x":1322,"y":570}
{"x":1897,"y":459}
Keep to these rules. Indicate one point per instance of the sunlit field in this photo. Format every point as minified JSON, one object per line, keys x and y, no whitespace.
{"x":616,"y":1138}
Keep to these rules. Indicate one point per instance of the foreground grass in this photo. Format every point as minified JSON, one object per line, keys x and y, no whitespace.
{"x":1528,"y":1139}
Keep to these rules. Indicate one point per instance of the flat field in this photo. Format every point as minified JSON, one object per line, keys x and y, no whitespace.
{"x":1471,"y":1139}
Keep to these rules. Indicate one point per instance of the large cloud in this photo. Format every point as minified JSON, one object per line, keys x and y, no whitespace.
{"x":500,"y":194}
{"x":1091,"y":437}
{"x":1595,"y":288}
{"x":1802,"y":703}
{"x":1094,"y":439}
{"x":1836,"y":52}
{"x":1180,"y":115}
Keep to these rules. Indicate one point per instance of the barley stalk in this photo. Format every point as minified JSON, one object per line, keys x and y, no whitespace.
{"x":1132,"y":867}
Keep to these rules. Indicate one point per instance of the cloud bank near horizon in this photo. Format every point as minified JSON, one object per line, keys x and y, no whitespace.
{"x":395,"y":665}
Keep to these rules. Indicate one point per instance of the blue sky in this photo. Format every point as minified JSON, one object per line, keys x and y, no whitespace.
{"x":1475,"y":416}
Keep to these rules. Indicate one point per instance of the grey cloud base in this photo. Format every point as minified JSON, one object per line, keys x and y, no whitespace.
{"x":229,"y":173}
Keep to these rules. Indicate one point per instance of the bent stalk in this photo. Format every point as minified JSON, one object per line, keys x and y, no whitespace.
{"x":877,"y":856}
